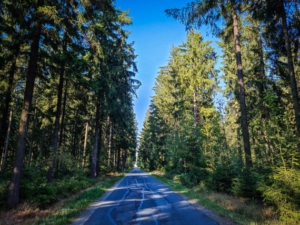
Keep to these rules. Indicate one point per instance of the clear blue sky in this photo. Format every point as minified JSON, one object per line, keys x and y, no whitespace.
{"x":153,"y":34}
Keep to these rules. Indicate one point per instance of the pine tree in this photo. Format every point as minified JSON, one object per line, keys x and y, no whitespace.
{"x":209,"y":12}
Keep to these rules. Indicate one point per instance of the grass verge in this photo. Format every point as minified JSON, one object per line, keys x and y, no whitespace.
{"x":61,"y":213}
{"x":237,"y":210}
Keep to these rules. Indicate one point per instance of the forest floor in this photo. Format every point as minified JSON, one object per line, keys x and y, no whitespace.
{"x":227,"y":209}
{"x":63,"y":211}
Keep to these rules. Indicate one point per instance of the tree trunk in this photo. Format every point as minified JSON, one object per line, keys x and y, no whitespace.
{"x":262,"y":88}
{"x":109,"y":143}
{"x":99,"y":146}
{"x":124,"y":158}
{"x":118,"y":158}
{"x":262,"y":85}
{"x":96,"y":142}
{"x":7,"y":103}
{"x":7,"y":141}
{"x":42,"y":144}
{"x":14,"y":186}
{"x":57,"y":116}
{"x":85,"y":143}
{"x":74,"y":136}
{"x":63,"y":115}
{"x":293,"y":82}
{"x":242,"y":100}
{"x":115,"y":158}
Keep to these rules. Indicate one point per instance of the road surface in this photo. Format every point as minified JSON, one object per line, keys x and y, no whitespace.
{"x":139,"y":199}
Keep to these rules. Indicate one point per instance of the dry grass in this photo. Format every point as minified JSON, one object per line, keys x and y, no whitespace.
{"x":24,"y":213}
{"x":158,"y":172}
{"x":27,"y":213}
{"x":259,"y":213}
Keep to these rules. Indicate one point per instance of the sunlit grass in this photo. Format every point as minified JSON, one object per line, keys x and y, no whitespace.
{"x":60,"y":213}
{"x":234,"y":209}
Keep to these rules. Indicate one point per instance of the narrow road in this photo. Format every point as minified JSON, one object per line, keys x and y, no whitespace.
{"x":139,"y":199}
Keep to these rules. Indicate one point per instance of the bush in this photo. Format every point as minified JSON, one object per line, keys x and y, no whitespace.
{"x":197,"y":174}
{"x":30,"y":183}
{"x":245,"y":184}
{"x":221,"y":178}
{"x":46,"y":195}
{"x":284,"y":193}
{"x":184,"y":180}
{"x":34,"y":187}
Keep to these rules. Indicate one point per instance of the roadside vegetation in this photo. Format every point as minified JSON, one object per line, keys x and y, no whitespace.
{"x":244,"y":145}
{"x":60,"y":203}
{"x":237,"y":210}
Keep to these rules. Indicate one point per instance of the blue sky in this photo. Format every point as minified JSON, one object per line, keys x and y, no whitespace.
{"x":153,"y":34}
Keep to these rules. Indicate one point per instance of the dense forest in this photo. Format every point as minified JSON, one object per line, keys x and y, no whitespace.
{"x":246,"y":143}
{"x":66,"y":96}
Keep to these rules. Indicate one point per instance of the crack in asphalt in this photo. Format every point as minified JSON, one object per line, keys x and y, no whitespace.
{"x":111,"y":209}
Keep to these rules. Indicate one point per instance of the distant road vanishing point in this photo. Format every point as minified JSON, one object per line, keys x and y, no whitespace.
{"x":139,"y":199}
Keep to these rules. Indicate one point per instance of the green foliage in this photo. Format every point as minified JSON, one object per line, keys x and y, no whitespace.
{"x":35,"y":188}
{"x":71,"y":208}
{"x":245,"y":184}
{"x":284,"y":193}
{"x":193,"y":177}
{"x":184,"y":180}
{"x":221,"y":178}
{"x":43,"y":195}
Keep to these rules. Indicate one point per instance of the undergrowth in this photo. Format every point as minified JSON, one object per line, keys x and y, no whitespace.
{"x":40,"y":211}
{"x":239,"y":210}
{"x":35,"y":189}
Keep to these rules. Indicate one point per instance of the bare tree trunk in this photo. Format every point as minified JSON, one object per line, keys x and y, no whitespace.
{"x":85,"y":143}
{"x":238,"y":133}
{"x":14,"y":186}
{"x":99,"y":145}
{"x":31,"y":142}
{"x":57,"y":117}
{"x":115,"y":158}
{"x":262,"y":88}
{"x":63,"y":115}
{"x":293,"y":82}
{"x":261,"y":62}
{"x":109,"y":143}
{"x":118,"y":159}
{"x":243,"y":108}
{"x":74,"y":137}
{"x":7,"y":142}
{"x":124,"y":158}
{"x":42,"y":143}
{"x":96,"y":142}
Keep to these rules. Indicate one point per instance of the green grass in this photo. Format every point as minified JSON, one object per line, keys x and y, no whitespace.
{"x":229,"y":207}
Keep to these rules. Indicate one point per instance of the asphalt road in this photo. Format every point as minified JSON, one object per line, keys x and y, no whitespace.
{"x":139,"y":199}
